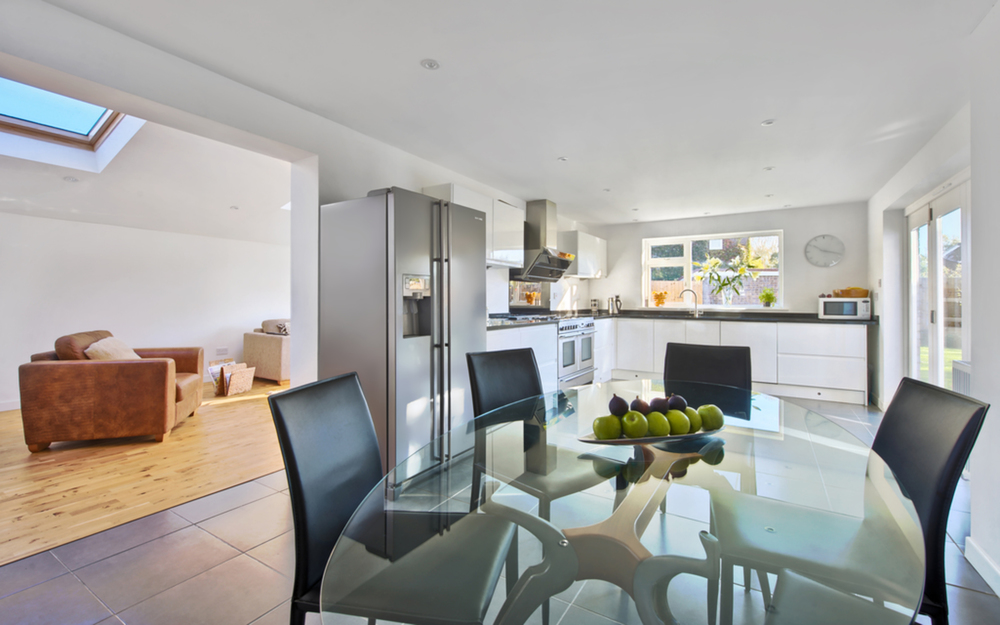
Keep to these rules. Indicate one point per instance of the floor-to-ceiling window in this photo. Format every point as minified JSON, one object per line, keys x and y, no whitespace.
{"x":937,"y":286}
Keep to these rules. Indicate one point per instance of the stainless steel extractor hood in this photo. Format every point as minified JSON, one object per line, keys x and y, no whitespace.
{"x":542,"y":262}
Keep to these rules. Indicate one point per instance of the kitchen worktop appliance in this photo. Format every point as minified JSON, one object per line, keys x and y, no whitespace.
{"x":402,"y":300}
{"x":845,"y":308}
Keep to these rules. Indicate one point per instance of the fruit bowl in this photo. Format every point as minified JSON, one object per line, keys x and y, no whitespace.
{"x":646,"y":440}
{"x":850,"y":292}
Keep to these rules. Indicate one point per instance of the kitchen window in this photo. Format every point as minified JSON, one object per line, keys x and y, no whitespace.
{"x":672,"y":264}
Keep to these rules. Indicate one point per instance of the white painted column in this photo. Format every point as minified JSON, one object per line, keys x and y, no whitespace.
{"x":305,"y":270}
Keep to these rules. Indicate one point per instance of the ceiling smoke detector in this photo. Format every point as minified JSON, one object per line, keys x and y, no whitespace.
{"x":429,"y":64}
{"x":769,"y":168}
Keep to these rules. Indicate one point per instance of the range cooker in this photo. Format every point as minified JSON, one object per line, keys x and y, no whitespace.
{"x":576,"y":352}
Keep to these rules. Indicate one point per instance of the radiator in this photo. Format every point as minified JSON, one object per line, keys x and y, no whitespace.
{"x":961,"y":377}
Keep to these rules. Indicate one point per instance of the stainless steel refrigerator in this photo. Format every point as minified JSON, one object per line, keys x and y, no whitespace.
{"x":402,"y":298}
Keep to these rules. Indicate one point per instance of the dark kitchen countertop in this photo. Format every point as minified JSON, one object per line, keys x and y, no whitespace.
{"x":760,"y":315}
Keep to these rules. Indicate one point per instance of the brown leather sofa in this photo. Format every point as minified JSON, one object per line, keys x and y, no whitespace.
{"x":67,"y":397}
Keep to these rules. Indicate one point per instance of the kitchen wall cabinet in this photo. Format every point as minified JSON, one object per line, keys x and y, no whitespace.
{"x":541,"y":339}
{"x":604,"y":349}
{"x":591,"y":254}
{"x":504,"y":223}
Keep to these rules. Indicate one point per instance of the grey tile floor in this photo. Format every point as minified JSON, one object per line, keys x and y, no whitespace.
{"x":227,"y":559}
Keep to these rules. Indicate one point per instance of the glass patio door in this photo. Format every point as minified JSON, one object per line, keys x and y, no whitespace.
{"x":937,"y":287}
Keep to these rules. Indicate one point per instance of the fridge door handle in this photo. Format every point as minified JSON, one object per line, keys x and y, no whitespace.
{"x":436,"y":321}
{"x":447,"y":294}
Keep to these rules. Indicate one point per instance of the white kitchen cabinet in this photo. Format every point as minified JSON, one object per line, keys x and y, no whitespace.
{"x":834,"y":372}
{"x":604,"y":349}
{"x":823,"y":339}
{"x":762,"y":339}
{"x":508,"y":235}
{"x":541,"y":339}
{"x":591,"y":254}
{"x":701,"y":332}
{"x":634,"y":344}
{"x":666,"y":331}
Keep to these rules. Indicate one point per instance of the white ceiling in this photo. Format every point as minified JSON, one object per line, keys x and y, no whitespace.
{"x":659,"y":101}
{"x":163,"y":179}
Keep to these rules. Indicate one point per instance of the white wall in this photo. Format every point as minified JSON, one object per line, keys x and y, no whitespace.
{"x":803,"y":282}
{"x":983,"y":547}
{"x":947,"y":153}
{"x":148,"y":288}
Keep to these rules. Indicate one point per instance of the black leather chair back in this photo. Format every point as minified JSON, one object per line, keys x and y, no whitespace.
{"x":708,"y":363}
{"x":503,"y":377}
{"x":926,"y":436}
{"x":332,"y":459}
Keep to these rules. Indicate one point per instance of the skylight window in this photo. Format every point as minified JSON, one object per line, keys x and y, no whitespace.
{"x":45,"y":115}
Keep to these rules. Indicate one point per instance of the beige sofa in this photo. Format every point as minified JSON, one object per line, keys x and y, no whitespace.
{"x":269,"y":350}
{"x":65,"y":396}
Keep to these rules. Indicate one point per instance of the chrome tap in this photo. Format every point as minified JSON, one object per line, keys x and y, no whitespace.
{"x":695,"y":300}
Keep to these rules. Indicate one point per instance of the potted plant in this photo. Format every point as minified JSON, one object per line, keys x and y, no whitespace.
{"x":767,"y":297}
{"x":726,"y":279}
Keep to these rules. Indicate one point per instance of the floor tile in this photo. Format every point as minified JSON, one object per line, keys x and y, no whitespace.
{"x":236,"y":592}
{"x":60,"y":601}
{"x":966,"y":607}
{"x":139,"y":573}
{"x":277,"y":553}
{"x":958,"y":571}
{"x":111,"y":620}
{"x":277,"y":480}
{"x":88,"y":550}
{"x":958,"y":527}
{"x":253,"y":524}
{"x":17,"y":576}
{"x":223,"y":501}
{"x":579,"y":616}
{"x":556,"y":610}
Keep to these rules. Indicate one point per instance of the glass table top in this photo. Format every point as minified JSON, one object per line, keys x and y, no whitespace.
{"x":779,"y":488}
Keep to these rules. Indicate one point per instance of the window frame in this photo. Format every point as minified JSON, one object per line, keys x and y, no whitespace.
{"x":101,"y":130}
{"x":686,"y":261}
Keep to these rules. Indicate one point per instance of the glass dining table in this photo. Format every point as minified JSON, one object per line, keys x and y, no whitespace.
{"x":677,"y":524}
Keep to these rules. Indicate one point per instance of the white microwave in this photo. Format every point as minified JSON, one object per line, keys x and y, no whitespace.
{"x":845,"y":308}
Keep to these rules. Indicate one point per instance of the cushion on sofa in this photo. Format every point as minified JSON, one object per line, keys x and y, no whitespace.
{"x":270,"y":326}
{"x":187,"y":385}
{"x":72,"y":346}
{"x":111,"y":348}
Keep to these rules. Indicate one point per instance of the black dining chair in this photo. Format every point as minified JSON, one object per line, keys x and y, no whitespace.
{"x":332,"y":459}
{"x":715,"y":364}
{"x":926,"y":436}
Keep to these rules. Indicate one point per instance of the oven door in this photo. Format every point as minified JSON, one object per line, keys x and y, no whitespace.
{"x":569,"y":356}
{"x":585,"y":350}
{"x":580,"y":379}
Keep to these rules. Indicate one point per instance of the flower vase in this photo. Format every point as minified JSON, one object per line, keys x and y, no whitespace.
{"x":727,"y":296}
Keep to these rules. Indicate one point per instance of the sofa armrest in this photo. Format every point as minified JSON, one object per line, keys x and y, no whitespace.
{"x":188,"y":359}
{"x":87,"y":399}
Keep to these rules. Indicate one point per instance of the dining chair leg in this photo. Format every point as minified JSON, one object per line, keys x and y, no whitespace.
{"x":476,"y":496}
{"x":765,"y":587}
{"x":713,"y":600}
{"x":747,"y":578}
{"x":726,"y":595}
{"x":510,"y":567}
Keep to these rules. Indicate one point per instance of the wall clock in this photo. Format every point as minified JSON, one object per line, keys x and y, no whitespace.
{"x":825,"y":250}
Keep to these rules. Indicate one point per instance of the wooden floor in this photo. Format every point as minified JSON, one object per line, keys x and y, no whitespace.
{"x":77,"y":489}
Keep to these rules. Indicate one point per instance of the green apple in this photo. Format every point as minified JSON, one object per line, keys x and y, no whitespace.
{"x":694,"y":418}
{"x":715,"y":456}
{"x":634,"y":424}
{"x":711,"y":417}
{"x":679,"y":423}
{"x":658,"y":424}
{"x":607,"y":428}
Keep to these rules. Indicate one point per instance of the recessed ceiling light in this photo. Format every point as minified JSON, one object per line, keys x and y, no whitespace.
{"x":562,"y":159}
{"x":769,"y":195}
{"x":635,"y":220}
{"x":767,"y":122}
{"x":769,"y":168}
{"x":634,"y":210}
{"x":429,"y":64}
{"x":607,"y":190}
{"x":706,"y":213}
{"x":235,"y":208}
{"x":788,"y":205}
{"x":70,"y":179}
